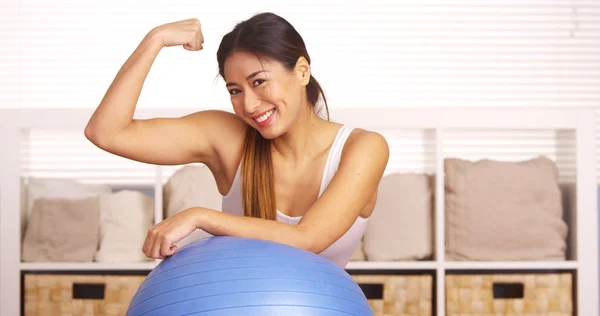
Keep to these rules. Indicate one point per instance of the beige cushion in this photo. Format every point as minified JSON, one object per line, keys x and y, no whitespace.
{"x":401,"y":226}
{"x":35,"y":188}
{"x":60,"y":188}
{"x":191,"y":186}
{"x":127,"y":216}
{"x":62,"y":230}
{"x":503,"y":210}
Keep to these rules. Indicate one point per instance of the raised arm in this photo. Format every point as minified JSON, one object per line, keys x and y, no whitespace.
{"x":162,"y":141}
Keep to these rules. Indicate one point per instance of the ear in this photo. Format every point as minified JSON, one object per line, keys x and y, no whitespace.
{"x":302,"y":70}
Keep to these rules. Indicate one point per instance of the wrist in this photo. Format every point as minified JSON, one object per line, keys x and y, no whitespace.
{"x":201,"y":218}
{"x":155,"y":38}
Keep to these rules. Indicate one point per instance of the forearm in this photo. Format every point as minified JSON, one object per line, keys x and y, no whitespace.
{"x":221,"y":223}
{"x":116,"y":109}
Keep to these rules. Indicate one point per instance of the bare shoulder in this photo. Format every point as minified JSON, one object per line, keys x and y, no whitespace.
{"x":365,"y":157}
{"x":222,"y":127}
{"x":366,"y":146}
{"x":226,"y":134}
{"x":213,"y":132}
{"x":219,"y":119}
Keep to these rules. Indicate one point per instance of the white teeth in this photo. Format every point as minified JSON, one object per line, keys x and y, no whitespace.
{"x":264,"y":116}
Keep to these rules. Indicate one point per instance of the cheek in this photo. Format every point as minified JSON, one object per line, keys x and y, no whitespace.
{"x":281,"y":96}
{"x":272,"y":94}
{"x":238,"y":106}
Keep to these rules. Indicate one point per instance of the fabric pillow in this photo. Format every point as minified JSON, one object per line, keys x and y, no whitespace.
{"x":504,"y":210}
{"x":64,"y":230}
{"x":191,"y":186}
{"x":128,"y":215}
{"x":60,"y":188}
{"x":401,"y":225}
{"x":358,"y":254}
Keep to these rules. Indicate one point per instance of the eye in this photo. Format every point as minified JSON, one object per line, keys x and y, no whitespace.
{"x":258,"y":82}
{"x":234,"y":91}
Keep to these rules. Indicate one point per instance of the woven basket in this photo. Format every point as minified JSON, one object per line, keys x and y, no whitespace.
{"x":79,"y":295}
{"x":509,"y":294}
{"x":398,"y":295}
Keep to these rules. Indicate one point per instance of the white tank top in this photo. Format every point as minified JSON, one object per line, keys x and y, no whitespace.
{"x":341,"y":250}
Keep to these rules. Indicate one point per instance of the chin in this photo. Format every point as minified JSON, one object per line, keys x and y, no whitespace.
{"x":269,"y":133}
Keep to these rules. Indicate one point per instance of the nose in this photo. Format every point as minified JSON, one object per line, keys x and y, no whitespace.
{"x":251,"y":101}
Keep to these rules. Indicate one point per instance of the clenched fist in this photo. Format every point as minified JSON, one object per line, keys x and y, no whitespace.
{"x":160,"y":240}
{"x":186,"y":33}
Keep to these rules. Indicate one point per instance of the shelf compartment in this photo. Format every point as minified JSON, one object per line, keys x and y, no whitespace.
{"x":392,"y":265}
{"x":511,"y":265}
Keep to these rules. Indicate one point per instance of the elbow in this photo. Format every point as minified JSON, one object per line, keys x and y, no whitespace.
{"x":310,"y":241}
{"x":89,"y":133}
{"x":314,"y":248}
{"x":95,"y":136}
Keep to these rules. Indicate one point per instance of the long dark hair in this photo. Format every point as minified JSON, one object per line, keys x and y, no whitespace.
{"x":271,"y":36}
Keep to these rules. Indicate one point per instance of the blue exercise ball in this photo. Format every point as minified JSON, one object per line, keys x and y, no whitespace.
{"x":229,"y":276}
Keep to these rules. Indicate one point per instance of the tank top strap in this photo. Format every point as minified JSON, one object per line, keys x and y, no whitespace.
{"x":334,"y":157}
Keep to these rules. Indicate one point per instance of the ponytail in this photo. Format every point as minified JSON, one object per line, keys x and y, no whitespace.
{"x":258,"y":191}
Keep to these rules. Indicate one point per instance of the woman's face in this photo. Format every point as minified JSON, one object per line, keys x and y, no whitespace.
{"x":265,"y":94}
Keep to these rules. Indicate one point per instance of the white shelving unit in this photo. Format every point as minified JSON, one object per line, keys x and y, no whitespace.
{"x":437,"y":122}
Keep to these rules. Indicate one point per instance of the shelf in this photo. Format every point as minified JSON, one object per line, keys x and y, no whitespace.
{"x":391,"y":265}
{"x":93,"y":266}
{"x":511,"y":265}
{"x":86,"y":266}
{"x":463,"y":265}
{"x":352,"y":265}
{"x":420,"y":141}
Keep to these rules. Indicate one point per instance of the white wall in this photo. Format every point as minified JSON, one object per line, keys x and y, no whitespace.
{"x":386,"y":53}
{"x":380,"y":53}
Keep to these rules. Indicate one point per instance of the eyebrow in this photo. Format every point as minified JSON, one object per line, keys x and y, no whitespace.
{"x":250,"y":76}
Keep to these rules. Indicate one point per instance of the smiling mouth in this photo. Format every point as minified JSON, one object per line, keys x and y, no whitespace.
{"x":264,"y":117}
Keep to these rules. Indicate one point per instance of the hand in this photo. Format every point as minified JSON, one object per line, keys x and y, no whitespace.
{"x":187,"y":33}
{"x":161,"y":238}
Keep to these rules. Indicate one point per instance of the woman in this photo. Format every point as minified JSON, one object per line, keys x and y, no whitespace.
{"x":287,"y":174}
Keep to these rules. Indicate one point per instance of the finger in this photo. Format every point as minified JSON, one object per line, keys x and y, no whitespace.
{"x":155,"y":249}
{"x":147,"y":243}
{"x":171,"y":250}
{"x":200,"y":40}
{"x":165,"y":246}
